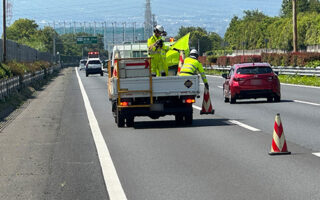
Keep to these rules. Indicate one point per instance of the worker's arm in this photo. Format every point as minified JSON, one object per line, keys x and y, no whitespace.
{"x":151,"y":45}
{"x":202,"y":74}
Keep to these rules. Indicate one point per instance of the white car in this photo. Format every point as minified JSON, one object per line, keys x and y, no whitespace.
{"x":94,"y":66}
{"x":82,"y":64}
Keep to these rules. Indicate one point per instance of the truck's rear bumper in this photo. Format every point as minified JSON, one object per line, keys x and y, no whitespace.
{"x":157,"y":113}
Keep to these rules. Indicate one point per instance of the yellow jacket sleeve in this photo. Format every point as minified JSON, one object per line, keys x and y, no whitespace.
{"x":201,"y":72}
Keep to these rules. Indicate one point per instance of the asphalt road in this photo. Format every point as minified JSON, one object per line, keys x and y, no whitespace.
{"x":48,"y":150}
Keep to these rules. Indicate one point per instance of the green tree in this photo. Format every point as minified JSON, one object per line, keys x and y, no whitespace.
{"x":46,"y":36}
{"x":200,"y":37}
{"x":22,"y":29}
{"x":216,"y":41}
{"x":302,"y":6}
{"x":314,"y":6}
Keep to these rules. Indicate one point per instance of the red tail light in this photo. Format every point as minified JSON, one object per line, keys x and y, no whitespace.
{"x":125,"y":103}
{"x":189,"y":101}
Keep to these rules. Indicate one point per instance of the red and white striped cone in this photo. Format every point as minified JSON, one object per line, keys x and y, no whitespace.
{"x":279,"y":145}
{"x":181,"y":61}
{"x":206,"y":103}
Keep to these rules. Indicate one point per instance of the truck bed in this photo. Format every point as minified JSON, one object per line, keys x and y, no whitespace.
{"x":161,"y":86}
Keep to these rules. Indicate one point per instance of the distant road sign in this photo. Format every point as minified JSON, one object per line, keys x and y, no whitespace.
{"x":87,"y":40}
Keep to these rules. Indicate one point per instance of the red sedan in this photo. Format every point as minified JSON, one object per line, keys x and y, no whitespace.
{"x":251,"y":80}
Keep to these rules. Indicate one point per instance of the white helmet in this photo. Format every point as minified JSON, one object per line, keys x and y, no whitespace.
{"x":194,"y":54}
{"x":159,"y":28}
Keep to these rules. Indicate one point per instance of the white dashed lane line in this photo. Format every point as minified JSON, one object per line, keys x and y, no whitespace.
{"x":235,"y":122}
{"x":316,"y":154}
{"x":196,"y":107}
{"x":244,"y":125}
{"x":213,"y":76}
{"x":305,"y":102}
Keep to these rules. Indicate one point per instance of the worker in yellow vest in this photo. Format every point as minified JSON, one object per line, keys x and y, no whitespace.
{"x":157,"y":51}
{"x":192,"y":66}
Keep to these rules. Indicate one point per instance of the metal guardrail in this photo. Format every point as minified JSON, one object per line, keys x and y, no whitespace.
{"x":300,"y":71}
{"x":11,"y":85}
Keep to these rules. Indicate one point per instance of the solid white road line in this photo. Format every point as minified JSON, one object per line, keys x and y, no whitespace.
{"x":234,"y":122}
{"x":304,"y":86}
{"x":305,"y":102}
{"x":220,"y":87}
{"x":244,"y":125}
{"x":316,"y":154}
{"x":213,"y":76}
{"x":109,"y":172}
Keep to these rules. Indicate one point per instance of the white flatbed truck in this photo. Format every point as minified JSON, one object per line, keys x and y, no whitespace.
{"x":134,"y":92}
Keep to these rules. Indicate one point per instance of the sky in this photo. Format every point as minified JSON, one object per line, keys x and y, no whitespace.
{"x":213,"y":15}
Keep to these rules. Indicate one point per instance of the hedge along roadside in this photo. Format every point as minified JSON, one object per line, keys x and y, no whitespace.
{"x":17,"y":76}
{"x":302,"y":59}
{"x":291,"y":79}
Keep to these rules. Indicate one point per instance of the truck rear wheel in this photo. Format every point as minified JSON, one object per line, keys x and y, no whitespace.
{"x":130,"y":121}
{"x":188,"y":118}
{"x":120,"y":119}
{"x":179,"y":119}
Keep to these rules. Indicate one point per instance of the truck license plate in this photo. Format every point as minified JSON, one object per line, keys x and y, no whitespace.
{"x":156,"y":107}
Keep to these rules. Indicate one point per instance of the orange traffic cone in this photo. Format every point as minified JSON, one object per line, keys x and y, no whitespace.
{"x":206,"y":104}
{"x":279,"y":145}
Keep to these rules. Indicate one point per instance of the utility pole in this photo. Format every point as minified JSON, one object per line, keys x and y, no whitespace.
{"x":294,"y":18}
{"x":64,"y":27}
{"x":148,"y":21}
{"x":104,"y":24}
{"x":94,"y":30}
{"x":113,"y":25}
{"x":134,"y":31}
{"x":4,"y":42}
{"x":54,"y":39}
{"x":124,"y":32}
{"x":199,"y":46}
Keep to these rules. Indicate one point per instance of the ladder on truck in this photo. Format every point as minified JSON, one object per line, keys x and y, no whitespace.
{"x":133,"y":68}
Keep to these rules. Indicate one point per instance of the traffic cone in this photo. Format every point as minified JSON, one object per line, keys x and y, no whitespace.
{"x":181,"y":61}
{"x":279,"y":145}
{"x":206,"y":104}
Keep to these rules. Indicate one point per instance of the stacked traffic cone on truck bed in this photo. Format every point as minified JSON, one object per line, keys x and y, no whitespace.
{"x":206,"y":104}
{"x":181,"y":61}
{"x":279,"y":144}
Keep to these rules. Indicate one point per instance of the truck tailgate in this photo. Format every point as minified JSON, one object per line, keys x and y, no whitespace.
{"x":162,"y":86}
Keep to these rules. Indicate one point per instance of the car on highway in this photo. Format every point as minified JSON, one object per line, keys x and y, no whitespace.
{"x":251,"y":80}
{"x":94,"y":66}
{"x":82,"y":64}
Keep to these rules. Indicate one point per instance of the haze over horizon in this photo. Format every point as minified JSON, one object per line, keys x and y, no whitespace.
{"x":213,"y":15}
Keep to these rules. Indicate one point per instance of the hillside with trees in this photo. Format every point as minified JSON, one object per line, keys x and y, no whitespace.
{"x":27,"y":32}
{"x":256,"y":30}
